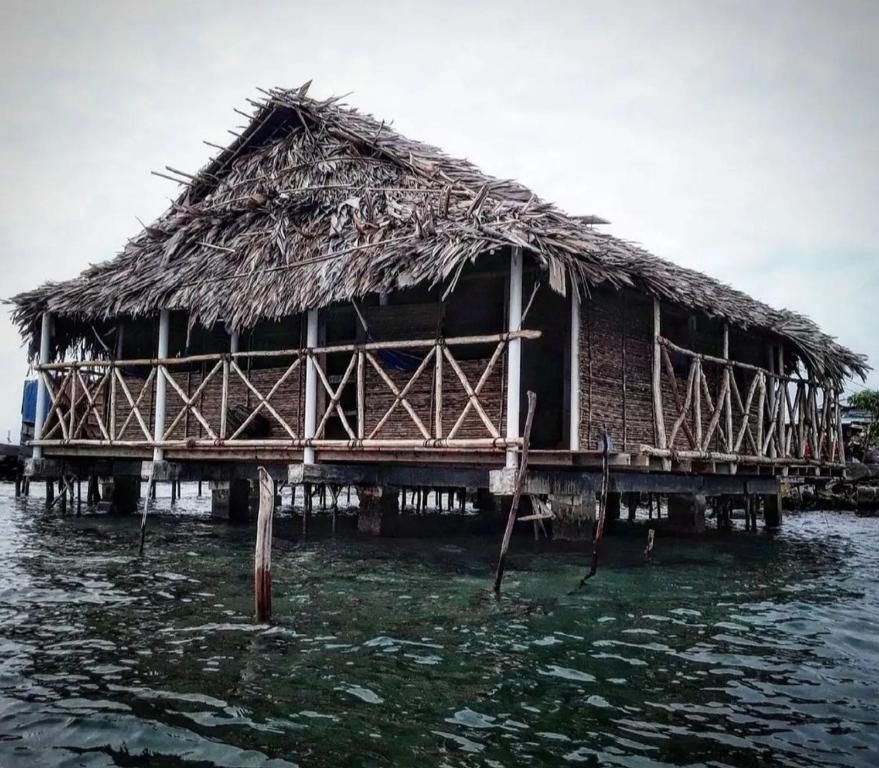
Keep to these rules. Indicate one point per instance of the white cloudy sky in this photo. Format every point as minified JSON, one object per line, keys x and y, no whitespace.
{"x":740,"y":138}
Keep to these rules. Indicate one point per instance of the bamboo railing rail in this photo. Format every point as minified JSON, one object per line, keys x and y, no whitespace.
{"x":781,"y":419}
{"x":93,"y":404}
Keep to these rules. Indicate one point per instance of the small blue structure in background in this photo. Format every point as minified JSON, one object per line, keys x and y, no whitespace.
{"x":29,"y":409}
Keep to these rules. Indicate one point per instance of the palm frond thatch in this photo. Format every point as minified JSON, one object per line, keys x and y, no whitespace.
{"x":316,"y":203}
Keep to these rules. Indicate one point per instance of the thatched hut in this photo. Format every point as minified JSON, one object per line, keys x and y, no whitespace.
{"x":326,"y":290}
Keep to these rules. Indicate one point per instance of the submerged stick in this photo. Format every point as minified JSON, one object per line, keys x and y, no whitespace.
{"x":651,"y":534}
{"x":151,"y":487}
{"x":602,"y":509}
{"x":262,"y":560}
{"x":514,"y":507}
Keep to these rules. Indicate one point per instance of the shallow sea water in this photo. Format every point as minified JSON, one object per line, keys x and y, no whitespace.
{"x":742,"y":650}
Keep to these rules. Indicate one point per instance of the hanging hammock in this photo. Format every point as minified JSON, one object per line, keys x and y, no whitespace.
{"x":396,"y":359}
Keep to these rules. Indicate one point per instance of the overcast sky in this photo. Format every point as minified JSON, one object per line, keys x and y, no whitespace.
{"x":738,"y":138}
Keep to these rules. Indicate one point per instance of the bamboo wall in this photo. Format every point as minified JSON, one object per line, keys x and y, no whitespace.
{"x":616,"y":349}
{"x":616,"y":362}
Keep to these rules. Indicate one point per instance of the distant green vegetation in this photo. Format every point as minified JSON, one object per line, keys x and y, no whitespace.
{"x":868,"y":399}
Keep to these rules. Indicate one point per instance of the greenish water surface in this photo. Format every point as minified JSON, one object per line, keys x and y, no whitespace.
{"x":744,"y":650}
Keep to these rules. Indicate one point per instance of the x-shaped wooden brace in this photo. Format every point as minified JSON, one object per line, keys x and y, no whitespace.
{"x":473,"y":394}
{"x":91,"y":398}
{"x":189,"y":402}
{"x":264,"y":400}
{"x":400,"y":394}
{"x":335,"y":396}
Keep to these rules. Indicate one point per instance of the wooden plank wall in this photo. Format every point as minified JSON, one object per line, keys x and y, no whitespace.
{"x":616,"y":359}
{"x":616,"y":348}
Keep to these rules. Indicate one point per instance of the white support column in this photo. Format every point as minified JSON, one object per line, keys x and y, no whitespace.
{"x":310,"y":386}
{"x":574,"y":440}
{"x":40,"y":415}
{"x":514,"y":352}
{"x":162,"y":354}
{"x":234,"y":342}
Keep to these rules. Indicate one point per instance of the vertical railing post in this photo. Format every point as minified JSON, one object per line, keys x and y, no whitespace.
{"x":658,"y":415}
{"x":803,"y":392}
{"x":162,"y":354}
{"x":782,"y":406}
{"x":113,"y":401}
{"x":574,"y":426}
{"x":761,"y":408}
{"x":40,"y":415}
{"x":120,"y":342}
{"x":772,"y":393}
{"x":310,"y":420}
{"x":514,"y":352}
{"x":697,"y":402}
{"x":71,"y":426}
{"x":727,"y":400}
{"x":234,"y":348}
{"x":224,"y":397}
{"x":438,"y":392}
{"x":839,"y":440}
{"x":361,"y":395}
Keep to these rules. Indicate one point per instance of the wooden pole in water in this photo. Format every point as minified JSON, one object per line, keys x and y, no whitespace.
{"x":602,"y":510}
{"x":150,"y":494}
{"x":262,"y":562}
{"x":517,"y":495}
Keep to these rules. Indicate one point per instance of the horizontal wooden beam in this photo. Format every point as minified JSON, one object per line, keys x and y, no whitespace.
{"x":451,"y":341}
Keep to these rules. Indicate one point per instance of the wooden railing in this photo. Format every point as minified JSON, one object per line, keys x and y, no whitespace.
{"x":105,"y":402}
{"x":731,"y":411}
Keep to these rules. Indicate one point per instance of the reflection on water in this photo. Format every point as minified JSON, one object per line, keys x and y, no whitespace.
{"x":744,"y":651}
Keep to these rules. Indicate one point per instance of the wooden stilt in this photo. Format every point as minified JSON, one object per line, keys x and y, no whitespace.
{"x":78,"y":497}
{"x":199,"y":488}
{"x":262,"y":562}
{"x":306,"y":509}
{"x":517,"y":495}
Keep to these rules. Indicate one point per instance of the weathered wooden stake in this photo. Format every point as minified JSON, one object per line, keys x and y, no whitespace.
{"x":602,"y":510}
{"x":306,"y":508}
{"x":517,"y":495}
{"x":262,"y":561}
{"x":150,"y":494}
{"x":651,"y":533}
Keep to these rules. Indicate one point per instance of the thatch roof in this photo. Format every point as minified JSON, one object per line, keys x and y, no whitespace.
{"x":316,"y":203}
